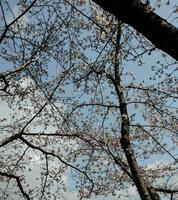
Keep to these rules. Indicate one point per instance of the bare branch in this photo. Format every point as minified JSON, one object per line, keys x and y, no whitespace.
{"x":60,"y":159}
{"x":26,"y":196}
{"x":15,"y":20}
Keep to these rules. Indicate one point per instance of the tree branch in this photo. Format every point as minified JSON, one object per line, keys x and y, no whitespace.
{"x":156,"y":29}
{"x":15,"y":20}
{"x":166,"y":190}
{"x":18,"y":183}
{"x":60,"y":159}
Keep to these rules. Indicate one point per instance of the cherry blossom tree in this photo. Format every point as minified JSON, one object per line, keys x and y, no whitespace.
{"x":89,"y":99}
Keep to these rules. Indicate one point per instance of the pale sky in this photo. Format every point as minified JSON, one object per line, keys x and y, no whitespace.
{"x":140,"y":73}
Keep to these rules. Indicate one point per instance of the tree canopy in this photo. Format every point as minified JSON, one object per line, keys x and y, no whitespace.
{"x":88,"y":94}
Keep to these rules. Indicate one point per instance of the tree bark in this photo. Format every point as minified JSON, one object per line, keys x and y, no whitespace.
{"x":140,"y":183}
{"x":156,"y":29}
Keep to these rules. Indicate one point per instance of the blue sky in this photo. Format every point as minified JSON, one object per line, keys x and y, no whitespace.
{"x":142,"y":73}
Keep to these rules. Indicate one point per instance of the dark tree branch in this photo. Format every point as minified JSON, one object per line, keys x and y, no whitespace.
{"x":15,"y":20}
{"x":158,"y":143}
{"x":156,"y":29}
{"x":18,"y":183}
{"x":46,"y":153}
{"x":166,"y":190}
{"x":9,"y":139}
{"x":4,"y":82}
{"x":46,"y":177}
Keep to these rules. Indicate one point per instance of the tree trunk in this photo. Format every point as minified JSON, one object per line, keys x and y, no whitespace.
{"x":156,"y":29}
{"x":126,"y":146}
{"x":140,"y":183}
